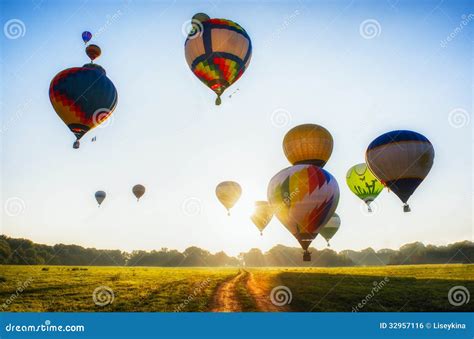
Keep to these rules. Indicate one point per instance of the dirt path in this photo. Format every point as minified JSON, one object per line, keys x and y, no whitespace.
{"x":260,"y":292}
{"x":225,"y":299}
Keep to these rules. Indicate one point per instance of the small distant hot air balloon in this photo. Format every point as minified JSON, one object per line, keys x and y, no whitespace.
{"x":363,"y":183}
{"x":100,"y":196}
{"x":86,"y":36}
{"x":138,"y":191}
{"x":262,"y":215}
{"x":93,"y":52}
{"x":218,"y":51}
{"x":331,"y":228}
{"x":304,"y":198}
{"x":228,"y":193}
{"x":308,"y":144}
{"x":400,"y":160}
{"x":83,"y":97}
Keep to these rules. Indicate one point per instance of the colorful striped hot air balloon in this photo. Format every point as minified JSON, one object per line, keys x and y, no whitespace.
{"x":308,"y":144}
{"x":401,"y":160}
{"x":303,"y":198}
{"x":218,"y":51}
{"x":83,"y":97}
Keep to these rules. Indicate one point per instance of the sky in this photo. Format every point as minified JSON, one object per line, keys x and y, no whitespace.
{"x":358,"y":68}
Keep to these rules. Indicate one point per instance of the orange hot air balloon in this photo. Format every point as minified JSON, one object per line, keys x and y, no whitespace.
{"x":93,"y":52}
{"x":228,"y":193}
{"x":262,"y":215}
{"x":308,"y":144}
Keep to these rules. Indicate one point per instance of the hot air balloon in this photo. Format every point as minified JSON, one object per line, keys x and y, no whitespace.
{"x":100,"y":196}
{"x":93,"y":52}
{"x":331,"y":228}
{"x":303,"y":198}
{"x":86,"y":36}
{"x":262,"y":215}
{"x":83,"y":97}
{"x":308,"y":144}
{"x":228,"y":192}
{"x":218,"y":51}
{"x":400,"y":160}
{"x":363,"y":183}
{"x":138,"y":191}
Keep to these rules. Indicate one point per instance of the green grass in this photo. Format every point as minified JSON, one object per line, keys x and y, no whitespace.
{"x":65,"y":289}
{"x":406,"y":288}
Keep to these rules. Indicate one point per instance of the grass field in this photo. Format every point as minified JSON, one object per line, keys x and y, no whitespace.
{"x":361,"y":289}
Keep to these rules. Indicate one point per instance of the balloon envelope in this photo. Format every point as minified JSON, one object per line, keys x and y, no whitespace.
{"x":218,"y":51}
{"x":83,"y":97}
{"x":228,"y":193}
{"x":331,"y":228}
{"x":86,"y":36}
{"x":303,"y":198}
{"x":138,"y":191}
{"x":400,"y":160}
{"x":100,"y":196}
{"x":93,"y":52}
{"x":363,"y":183}
{"x":262,"y":215}
{"x":308,"y":144}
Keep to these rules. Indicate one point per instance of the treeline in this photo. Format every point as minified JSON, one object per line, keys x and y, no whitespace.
{"x":25,"y":252}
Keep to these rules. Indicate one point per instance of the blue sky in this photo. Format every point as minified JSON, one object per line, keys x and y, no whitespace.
{"x":312,"y":62}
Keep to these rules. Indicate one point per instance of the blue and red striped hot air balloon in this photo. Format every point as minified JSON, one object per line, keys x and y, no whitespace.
{"x":401,"y":160}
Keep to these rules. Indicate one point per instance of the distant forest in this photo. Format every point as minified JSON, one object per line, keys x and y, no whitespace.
{"x":25,"y":252}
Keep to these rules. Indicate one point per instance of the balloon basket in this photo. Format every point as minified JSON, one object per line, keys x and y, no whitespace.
{"x":406,"y":208}
{"x":76,"y":144}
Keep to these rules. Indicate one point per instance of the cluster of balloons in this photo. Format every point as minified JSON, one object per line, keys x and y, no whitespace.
{"x":304,"y":196}
{"x":218,"y":51}
{"x":83,"y":97}
{"x":137,"y":190}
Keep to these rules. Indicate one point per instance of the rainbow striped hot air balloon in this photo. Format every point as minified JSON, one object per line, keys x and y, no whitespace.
{"x":304,"y":198}
{"x":400,"y":160}
{"x":218,"y":51}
